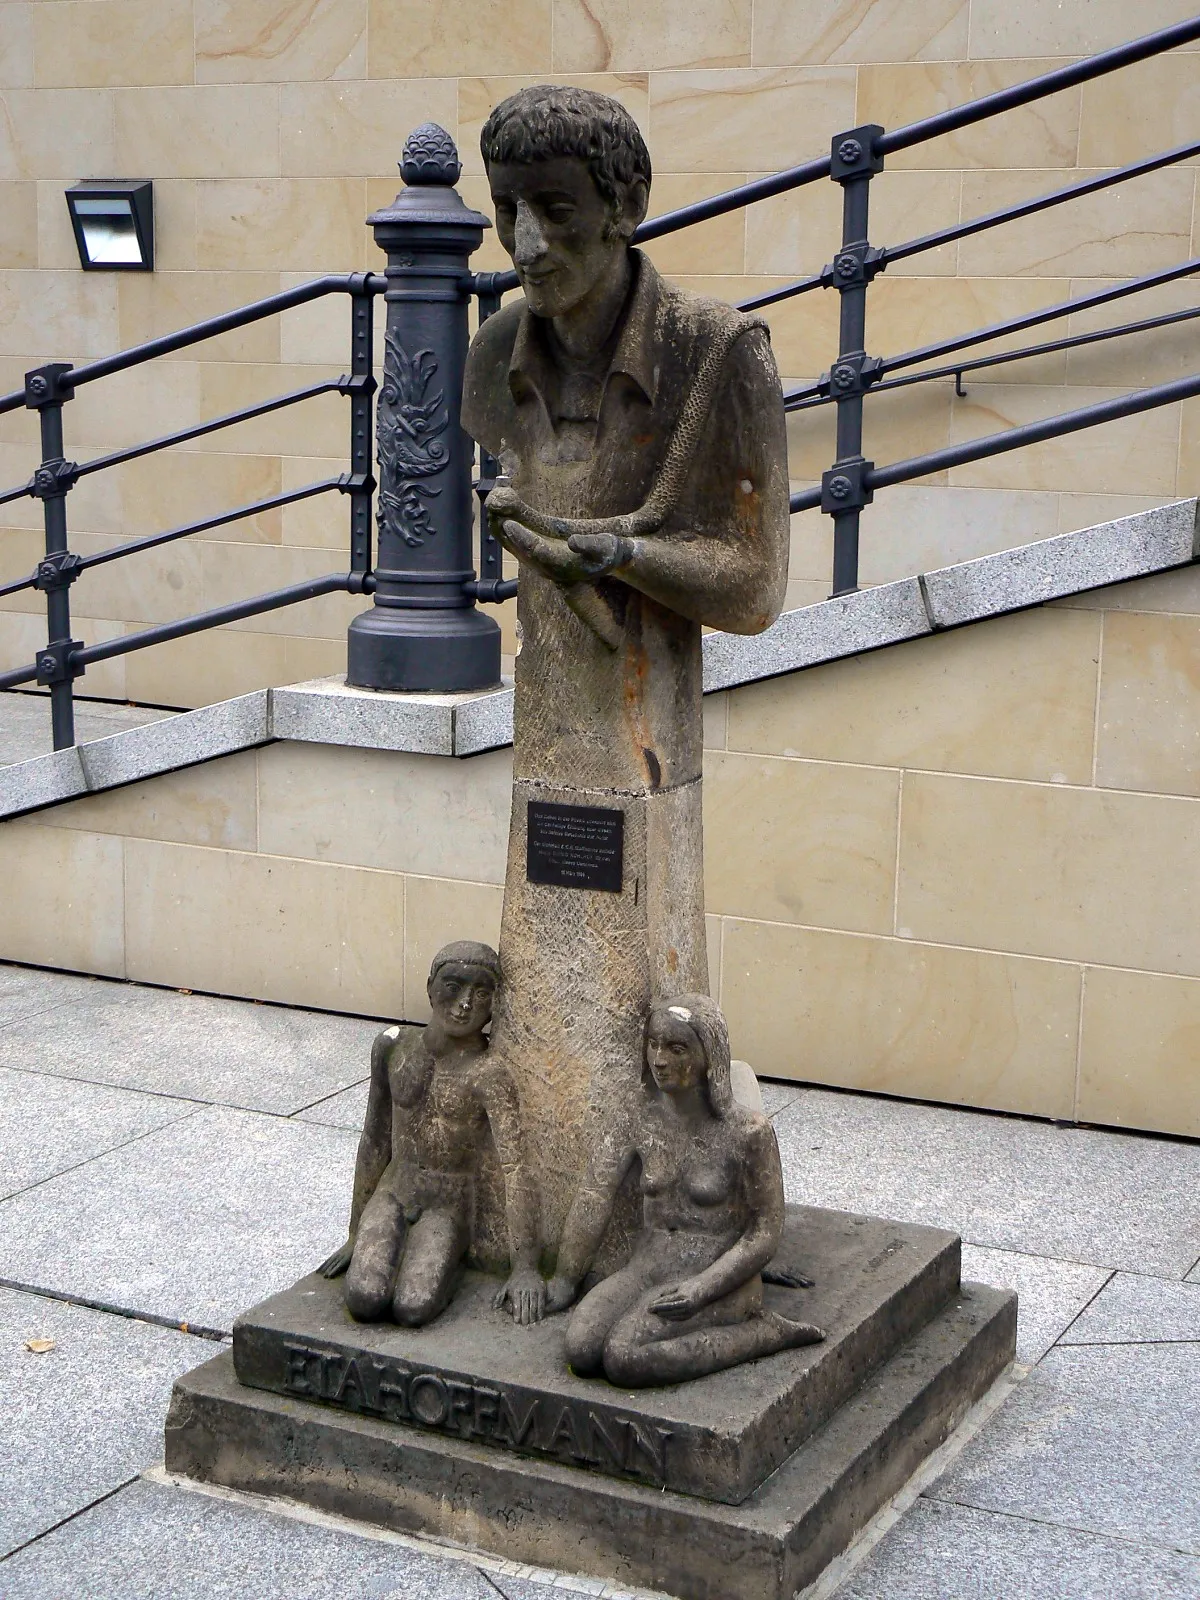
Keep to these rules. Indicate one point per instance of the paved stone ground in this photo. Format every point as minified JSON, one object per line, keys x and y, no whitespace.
{"x":25,"y":723}
{"x":166,"y":1159}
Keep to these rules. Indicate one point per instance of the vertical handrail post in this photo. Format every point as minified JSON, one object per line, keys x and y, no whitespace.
{"x":424,"y":633}
{"x":491,"y":556}
{"x":46,"y":390}
{"x":361,"y":483}
{"x":843,"y":486}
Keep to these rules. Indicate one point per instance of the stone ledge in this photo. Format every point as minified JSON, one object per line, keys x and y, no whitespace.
{"x":328,"y":711}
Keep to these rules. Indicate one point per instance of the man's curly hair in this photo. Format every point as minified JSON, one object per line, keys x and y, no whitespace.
{"x":543,"y":122}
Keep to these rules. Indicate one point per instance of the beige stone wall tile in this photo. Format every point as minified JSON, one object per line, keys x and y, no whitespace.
{"x":906,"y":314}
{"x":797,"y":233}
{"x":1148,"y":728}
{"x":754,"y":119}
{"x":867,"y":30}
{"x":1028,"y":27}
{"x":319,"y":426}
{"x":898,"y":1018}
{"x":304,"y":658}
{"x":1187,"y":481}
{"x":1012,"y":698}
{"x":144,"y":403}
{"x":20,"y":552}
{"x":377,"y":808}
{"x":212,"y":804}
{"x":622,"y":35}
{"x":232,"y":572}
{"x":56,"y":315}
{"x":341,"y":130}
{"x":1044,"y":134}
{"x":911,"y":529}
{"x":800,"y":842}
{"x":22,"y":634}
{"x":716,"y":719}
{"x":896,"y":426}
{"x":67,"y":135}
{"x":16,"y":45}
{"x":176,"y":487}
{"x":322,"y":523}
{"x":1136,"y":454}
{"x":1152,"y":105}
{"x":1132,"y":228}
{"x":152,"y":586}
{"x":1141,"y":1042}
{"x":207,"y":131}
{"x":720,"y":243}
{"x":319,"y":333}
{"x":63,"y":899}
{"x":205,"y":667}
{"x":1157,"y":356}
{"x":1076,"y":874}
{"x":477,"y":97}
{"x":809,"y":591}
{"x":714,"y":933}
{"x":413,"y":39}
{"x":803,"y":329}
{"x":1088,"y":510}
{"x":18,"y":220}
{"x":288,"y":224}
{"x":155,"y":303}
{"x":436,"y":911}
{"x":108,"y":43}
{"x":263,"y":926}
{"x":261,"y":41}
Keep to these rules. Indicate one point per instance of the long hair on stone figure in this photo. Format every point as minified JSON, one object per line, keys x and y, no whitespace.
{"x":707,"y":1022}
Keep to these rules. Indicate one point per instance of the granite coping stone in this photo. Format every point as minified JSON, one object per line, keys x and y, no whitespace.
{"x":328,"y":711}
{"x":88,"y":1414}
{"x":470,"y":1374}
{"x":547,"y":1514}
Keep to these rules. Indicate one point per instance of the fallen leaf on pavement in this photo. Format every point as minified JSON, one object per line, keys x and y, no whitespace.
{"x":39,"y":1346}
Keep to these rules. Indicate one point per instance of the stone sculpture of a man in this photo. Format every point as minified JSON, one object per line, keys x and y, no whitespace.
{"x":642,"y":432}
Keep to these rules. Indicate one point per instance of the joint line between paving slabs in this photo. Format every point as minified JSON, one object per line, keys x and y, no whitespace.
{"x":62,"y":1521}
{"x":1060,"y":1527}
{"x":218,"y":1335}
{"x":1087,"y":1303}
{"x":99,"y":1155}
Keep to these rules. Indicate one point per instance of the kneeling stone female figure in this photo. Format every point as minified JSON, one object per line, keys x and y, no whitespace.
{"x":690,"y":1301}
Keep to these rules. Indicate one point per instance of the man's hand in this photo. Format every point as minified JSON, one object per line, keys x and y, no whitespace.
{"x":333,"y":1266}
{"x":582,"y":557}
{"x":680,"y":1301}
{"x":524,"y":1295}
{"x":601,"y":552}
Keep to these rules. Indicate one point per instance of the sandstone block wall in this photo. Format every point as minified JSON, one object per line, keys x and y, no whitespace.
{"x":272,"y":127}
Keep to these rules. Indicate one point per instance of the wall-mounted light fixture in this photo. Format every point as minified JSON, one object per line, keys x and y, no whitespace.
{"x":114,"y":225}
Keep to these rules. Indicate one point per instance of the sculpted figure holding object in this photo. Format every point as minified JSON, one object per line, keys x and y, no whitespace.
{"x":432,"y":1102}
{"x":690,"y":1301}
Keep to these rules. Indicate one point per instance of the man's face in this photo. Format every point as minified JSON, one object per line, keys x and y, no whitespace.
{"x":558,"y":230}
{"x":461,"y":998}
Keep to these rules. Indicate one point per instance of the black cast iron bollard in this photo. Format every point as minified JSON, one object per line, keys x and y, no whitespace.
{"x":424,"y":632}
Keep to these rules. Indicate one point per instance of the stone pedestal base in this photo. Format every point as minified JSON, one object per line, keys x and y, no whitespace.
{"x":746,"y":1483}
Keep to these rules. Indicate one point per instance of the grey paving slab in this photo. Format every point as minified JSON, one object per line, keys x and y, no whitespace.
{"x":943,"y":1552}
{"x":82,"y":1418}
{"x":25,"y":723}
{"x":28,"y":991}
{"x":1141,"y":1310}
{"x":192,"y":1223}
{"x":1050,"y":1294}
{"x":47,"y":1126}
{"x":776,"y":1095}
{"x":1075,"y":1194}
{"x":235,"y":1052}
{"x":345,"y":1110}
{"x":159,"y":1542}
{"x":1194,"y":1275}
{"x":1098,"y":1437}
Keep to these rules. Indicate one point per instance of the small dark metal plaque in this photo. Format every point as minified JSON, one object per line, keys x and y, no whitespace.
{"x":575,"y":847}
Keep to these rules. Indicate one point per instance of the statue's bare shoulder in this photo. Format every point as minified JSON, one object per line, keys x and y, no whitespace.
{"x":486,"y":398}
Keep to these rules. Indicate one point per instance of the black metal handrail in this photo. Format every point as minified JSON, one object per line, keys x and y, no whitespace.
{"x":419,"y":312}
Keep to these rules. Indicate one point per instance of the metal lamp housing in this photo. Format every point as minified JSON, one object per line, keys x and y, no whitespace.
{"x":114,"y":224}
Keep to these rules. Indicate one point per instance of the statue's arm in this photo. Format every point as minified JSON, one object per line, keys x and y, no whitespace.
{"x":722,"y":557}
{"x":374,"y":1148}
